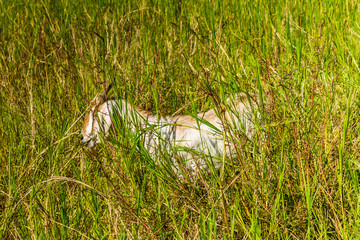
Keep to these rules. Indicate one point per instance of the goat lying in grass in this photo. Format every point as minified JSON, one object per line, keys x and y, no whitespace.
{"x":182,"y":135}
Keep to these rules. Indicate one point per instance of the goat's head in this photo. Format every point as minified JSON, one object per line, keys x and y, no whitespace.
{"x":96,"y":120}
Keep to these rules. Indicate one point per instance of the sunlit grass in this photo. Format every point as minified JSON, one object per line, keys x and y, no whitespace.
{"x":297,"y":178}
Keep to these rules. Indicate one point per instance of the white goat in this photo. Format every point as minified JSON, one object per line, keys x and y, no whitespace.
{"x":179,"y":134}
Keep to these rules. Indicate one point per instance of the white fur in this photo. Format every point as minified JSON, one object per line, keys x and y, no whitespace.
{"x":175,"y":135}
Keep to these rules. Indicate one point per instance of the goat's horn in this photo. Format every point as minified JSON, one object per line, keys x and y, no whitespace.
{"x":106,"y":90}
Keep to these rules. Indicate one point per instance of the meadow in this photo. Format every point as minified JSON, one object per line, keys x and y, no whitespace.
{"x":296,"y":178}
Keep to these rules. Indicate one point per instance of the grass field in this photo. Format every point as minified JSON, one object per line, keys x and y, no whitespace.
{"x":298,"y":177}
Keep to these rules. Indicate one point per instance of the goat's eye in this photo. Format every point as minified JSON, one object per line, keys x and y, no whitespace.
{"x":103,"y":122}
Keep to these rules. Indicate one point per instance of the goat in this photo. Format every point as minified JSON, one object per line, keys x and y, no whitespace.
{"x":182,"y":135}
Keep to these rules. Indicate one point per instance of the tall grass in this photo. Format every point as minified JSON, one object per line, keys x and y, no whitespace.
{"x":297,"y":178}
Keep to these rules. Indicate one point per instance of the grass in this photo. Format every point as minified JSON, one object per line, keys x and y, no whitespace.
{"x":298,"y":177}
